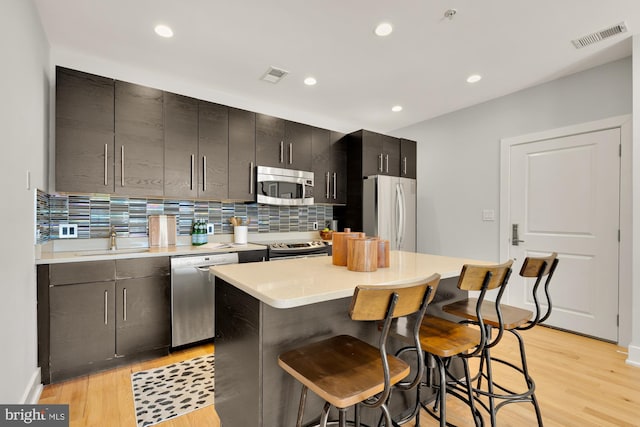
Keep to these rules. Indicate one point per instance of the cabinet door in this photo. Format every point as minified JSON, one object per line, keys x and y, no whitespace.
{"x":213,"y":149}
{"x":84,"y":132}
{"x":372,"y":156}
{"x":338,"y":188}
{"x":82,"y":327}
{"x":391,"y":152}
{"x":143,"y":314}
{"x":408,"y":158}
{"x":322,"y":165}
{"x":270,"y":141}
{"x":297,"y":146}
{"x":252,"y":256}
{"x":242,"y":155}
{"x":180,"y":146}
{"x":139,"y":136}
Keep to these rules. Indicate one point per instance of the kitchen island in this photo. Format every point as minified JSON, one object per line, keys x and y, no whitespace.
{"x":265,"y":309}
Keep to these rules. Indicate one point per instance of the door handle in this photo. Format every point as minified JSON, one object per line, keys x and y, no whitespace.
{"x":281,"y":151}
{"x":515,"y":240}
{"x":380,"y":165}
{"x":290,"y":153}
{"x":387,"y":162}
{"x":106,"y":157}
{"x":204,"y":173}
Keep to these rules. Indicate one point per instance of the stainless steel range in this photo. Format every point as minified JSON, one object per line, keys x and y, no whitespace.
{"x":288,"y":250}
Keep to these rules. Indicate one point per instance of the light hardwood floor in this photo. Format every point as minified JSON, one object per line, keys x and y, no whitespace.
{"x":580,"y":382}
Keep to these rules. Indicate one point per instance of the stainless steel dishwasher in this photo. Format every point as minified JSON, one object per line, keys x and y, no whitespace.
{"x":192,"y":297}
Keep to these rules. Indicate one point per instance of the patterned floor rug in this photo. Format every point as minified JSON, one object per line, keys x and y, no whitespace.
{"x":169,"y":391}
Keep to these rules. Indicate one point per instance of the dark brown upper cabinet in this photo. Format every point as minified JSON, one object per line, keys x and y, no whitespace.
{"x":180,"y":146}
{"x":378,"y":154}
{"x":408,"y":158}
{"x":282,"y":143}
{"x":329,"y":153}
{"x":84,"y":132}
{"x":139,"y":137}
{"x":213,"y":150}
{"x":242,"y":155}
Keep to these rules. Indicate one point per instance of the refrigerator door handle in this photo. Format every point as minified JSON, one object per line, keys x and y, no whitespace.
{"x":402,"y":222}
{"x":399,"y":218}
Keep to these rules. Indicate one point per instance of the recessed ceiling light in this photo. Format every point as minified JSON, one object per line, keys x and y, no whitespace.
{"x":163,"y":31}
{"x":383,"y":29}
{"x":474,"y":78}
{"x":396,"y":108}
{"x":310,"y":81}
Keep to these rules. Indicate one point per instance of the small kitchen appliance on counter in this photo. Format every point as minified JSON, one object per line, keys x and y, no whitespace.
{"x":162,"y":230}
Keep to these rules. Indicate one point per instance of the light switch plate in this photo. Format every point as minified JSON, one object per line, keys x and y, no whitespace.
{"x":68,"y":231}
{"x":488,"y":215}
{"x":210,"y":228}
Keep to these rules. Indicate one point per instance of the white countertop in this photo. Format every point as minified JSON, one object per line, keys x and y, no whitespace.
{"x":297,"y":282}
{"x":105,"y":254}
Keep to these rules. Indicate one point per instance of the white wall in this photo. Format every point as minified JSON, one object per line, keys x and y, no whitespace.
{"x":459,"y":159}
{"x":459,"y":153}
{"x":634,"y":347}
{"x":24,"y":137}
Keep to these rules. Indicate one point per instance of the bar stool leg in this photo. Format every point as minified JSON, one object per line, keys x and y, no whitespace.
{"x":303,"y":401}
{"x":342,"y":417}
{"x":324,"y":417}
{"x":443,"y":392}
{"x":477,"y":418}
{"x":490,"y":390}
{"x":529,"y":381}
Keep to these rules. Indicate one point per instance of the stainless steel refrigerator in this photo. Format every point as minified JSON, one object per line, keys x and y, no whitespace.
{"x":389,"y":210}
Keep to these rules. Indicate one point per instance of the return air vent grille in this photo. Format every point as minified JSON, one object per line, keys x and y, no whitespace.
{"x":274,"y":75}
{"x":600,"y":35}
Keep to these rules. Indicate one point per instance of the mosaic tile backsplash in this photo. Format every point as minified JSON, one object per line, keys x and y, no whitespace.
{"x":96,"y":213}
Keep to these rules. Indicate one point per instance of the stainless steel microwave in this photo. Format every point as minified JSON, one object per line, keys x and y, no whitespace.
{"x":276,"y":186}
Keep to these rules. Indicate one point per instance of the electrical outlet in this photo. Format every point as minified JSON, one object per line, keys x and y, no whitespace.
{"x":315,"y":225}
{"x":68,"y":231}
{"x":210,"y":228}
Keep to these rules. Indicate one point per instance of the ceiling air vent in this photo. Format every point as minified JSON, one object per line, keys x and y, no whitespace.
{"x":274,"y":75}
{"x":600,"y":35}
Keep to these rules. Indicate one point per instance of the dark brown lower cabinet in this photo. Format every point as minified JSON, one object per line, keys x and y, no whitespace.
{"x":82,"y":327}
{"x":116,"y":312}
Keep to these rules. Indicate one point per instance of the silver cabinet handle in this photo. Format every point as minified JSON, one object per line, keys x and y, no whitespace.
{"x":106,"y":307}
{"x":328,"y":185}
{"x":335,"y":185}
{"x":193,"y":169}
{"x":281,"y":151}
{"x":290,"y":153}
{"x":404,"y":165}
{"x":386,"y":158}
{"x":380,"y":158}
{"x":106,"y":156}
{"x":204,"y":173}
{"x":122,"y":166}
{"x":124,"y":304}
{"x":250,"y":177}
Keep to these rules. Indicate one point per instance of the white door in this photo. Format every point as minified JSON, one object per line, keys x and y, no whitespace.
{"x":564,"y":197}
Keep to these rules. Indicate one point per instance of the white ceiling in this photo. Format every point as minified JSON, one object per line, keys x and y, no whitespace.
{"x":226,"y":46}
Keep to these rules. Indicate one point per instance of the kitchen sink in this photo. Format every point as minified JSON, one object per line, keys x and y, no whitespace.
{"x":113,"y":252}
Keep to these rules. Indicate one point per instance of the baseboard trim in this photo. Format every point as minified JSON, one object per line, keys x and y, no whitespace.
{"x":633,"y":358}
{"x":32,"y":394}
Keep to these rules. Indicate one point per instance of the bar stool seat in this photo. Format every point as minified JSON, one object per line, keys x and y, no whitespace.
{"x":346,"y":371}
{"x":342,"y":370}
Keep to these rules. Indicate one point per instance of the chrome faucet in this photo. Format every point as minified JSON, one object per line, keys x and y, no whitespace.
{"x":112,"y":239}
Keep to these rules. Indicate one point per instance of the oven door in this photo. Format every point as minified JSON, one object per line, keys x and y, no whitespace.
{"x":289,"y":256}
{"x":284,"y":187}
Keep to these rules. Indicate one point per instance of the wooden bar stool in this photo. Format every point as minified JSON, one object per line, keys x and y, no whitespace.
{"x":444,"y":340}
{"x":511,"y":319}
{"x":345,"y":371}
